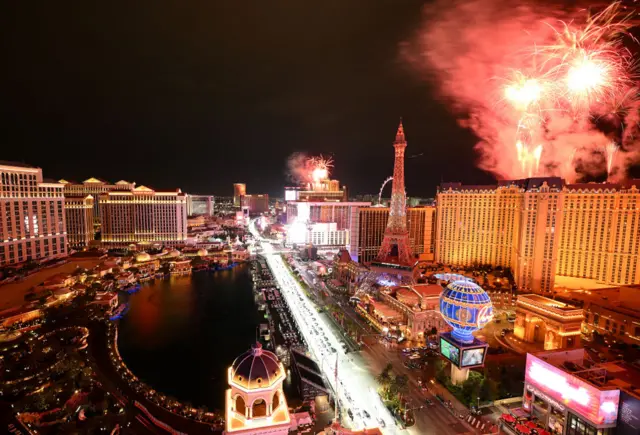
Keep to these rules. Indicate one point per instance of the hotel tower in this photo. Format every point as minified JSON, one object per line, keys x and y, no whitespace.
{"x":32,"y":223}
{"x":543,"y":228}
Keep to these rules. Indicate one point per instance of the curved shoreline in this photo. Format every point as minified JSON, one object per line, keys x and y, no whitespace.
{"x":145,"y":390}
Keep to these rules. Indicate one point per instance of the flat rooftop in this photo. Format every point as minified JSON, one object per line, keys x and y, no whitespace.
{"x":623,"y":299}
{"x":544,"y":302}
{"x":604,"y":376}
{"x":385,"y":310}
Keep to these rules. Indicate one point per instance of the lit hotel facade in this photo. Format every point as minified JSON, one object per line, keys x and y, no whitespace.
{"x":78,"y":212}
{"x":542,"y":228}
{"x":143,"y":215}
{"x":372,"y":222}
{"x":32,"y":224}
{"x":94,"y":187}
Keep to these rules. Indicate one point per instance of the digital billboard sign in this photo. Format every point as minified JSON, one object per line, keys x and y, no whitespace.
{"x":473,"y":357}
{"x":629,"y":415}
{"x":290,"y":195}
{"x":450,"y":351}
{"x":598,"y":406}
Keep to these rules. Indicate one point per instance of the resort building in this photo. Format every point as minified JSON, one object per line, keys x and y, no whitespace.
{"x":324,"y":224}
{"x":372,"y":222}
{"x":94,"y":187}
{"x":255,"y":204}
{"x":78,"y":212}
{"x":410,"y":311}
{"x":143,"y":216}
{"x":542,"y":228}
{"x":200,"y":205}
{"x":613,"y":312}
{"x":32,"y":221}
{"x":239,"y":190}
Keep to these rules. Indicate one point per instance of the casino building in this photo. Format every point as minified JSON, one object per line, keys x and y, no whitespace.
{"x":143,"y":215}
{"x":32,"y":221}
{"x":543,"y":227}
{"x":571,"y":394}
{"x":255,"y":402}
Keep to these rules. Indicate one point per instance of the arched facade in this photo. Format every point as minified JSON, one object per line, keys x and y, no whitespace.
{"x":255,"y":400}
{"x":550,"y":323}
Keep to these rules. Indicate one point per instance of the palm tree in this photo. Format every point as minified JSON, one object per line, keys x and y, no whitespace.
{"x":400,"y":384}
{"x":384,"y":378}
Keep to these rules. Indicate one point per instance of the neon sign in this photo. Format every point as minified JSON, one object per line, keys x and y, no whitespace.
{"x":598,"y":406}
{"x":558,"y":383}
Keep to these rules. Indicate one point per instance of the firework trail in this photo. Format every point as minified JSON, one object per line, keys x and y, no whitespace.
{"x":610,"y":151}
{"x":539,"y":85}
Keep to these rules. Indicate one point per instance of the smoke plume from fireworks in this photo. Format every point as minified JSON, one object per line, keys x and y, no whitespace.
{"x":546,"y":90}
{"x":307,"y":169}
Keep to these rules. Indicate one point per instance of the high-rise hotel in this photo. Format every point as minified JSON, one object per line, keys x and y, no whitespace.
{"x":79,"y":216}
{"x":372,"y":222}
{"x":142,"y":215}
{"x":32,"y":223}
{"x":542,"y":228}
{"x":94,"y":187}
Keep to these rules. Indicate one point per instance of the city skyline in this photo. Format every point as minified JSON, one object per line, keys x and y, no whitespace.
{"x":208,"y":225}
{"x":198,"y":105}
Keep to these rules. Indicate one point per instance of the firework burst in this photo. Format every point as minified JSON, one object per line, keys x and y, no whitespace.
{"x":545,"y":89}
{"x":584,"y":72}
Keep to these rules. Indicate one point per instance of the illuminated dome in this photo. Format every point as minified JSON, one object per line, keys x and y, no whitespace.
{"x":466,"y":307}
{"x":202,"y":252}
{"x":141,"y":258}
{"x":256,"y":368}
{"x":173,"y":254}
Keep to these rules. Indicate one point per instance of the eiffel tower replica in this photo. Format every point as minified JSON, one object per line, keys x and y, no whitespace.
{"x":395,"y":247}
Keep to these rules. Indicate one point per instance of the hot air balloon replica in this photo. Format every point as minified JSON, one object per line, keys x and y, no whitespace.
{"x":466,"y":307}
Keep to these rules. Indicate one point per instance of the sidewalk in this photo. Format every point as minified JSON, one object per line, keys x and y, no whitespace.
{"x":473,"y":422}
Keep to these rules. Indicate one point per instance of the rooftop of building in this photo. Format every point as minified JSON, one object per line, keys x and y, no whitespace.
{"x":256,"y":368}
{"x":548,"y":304}
{"x":16,"y":164}
{"x":604,"y":376}
{"x":412,"y":295}
{"x":384,"y":310}
{"x":50,"y":181}
{"x":304,"y":360}
{"x":536,"y":182}
{"x":88,"y":255}
{"x":623,"y":299}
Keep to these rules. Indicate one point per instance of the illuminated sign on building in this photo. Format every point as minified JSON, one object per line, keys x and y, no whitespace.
{"x":473,"y":357}
{"x":450,"y":351}
{"x":598,"y":406}
{"x":546,"y":398}
{"x":290,"y":195}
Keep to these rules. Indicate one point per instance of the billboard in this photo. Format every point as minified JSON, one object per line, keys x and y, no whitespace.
{"x":450,"y":351}
{"x":629,"y":415}
{"x":600,"y":407}
{"x":290,"y":195}
{"x":473,"y":357}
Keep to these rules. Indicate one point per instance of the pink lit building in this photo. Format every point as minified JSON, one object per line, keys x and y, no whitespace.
{"x":32,"y":221}
{"x":571,"y":394}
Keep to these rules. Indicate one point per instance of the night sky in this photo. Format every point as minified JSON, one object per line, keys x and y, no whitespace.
{"x":198,"y":95}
